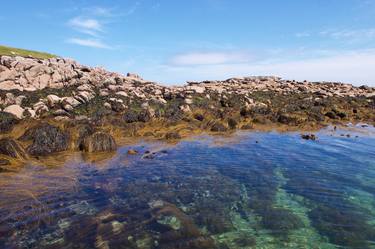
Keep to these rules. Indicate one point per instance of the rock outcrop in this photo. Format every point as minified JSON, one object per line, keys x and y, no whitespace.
{"x":84,"y":108}
{"x":46,"y":139}
{"x":99,"y":141}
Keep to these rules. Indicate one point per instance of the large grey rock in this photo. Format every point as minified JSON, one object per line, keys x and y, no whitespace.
{"x":46,"y":139}
{"x":99,"y":141}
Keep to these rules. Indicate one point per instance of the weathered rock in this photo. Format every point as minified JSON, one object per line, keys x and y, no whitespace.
{"x":99,"y":141}
{"x":218,"y":127}
{"x":16,"y":110}
{"x":46,"y":139}
{"x":11,"y":148}
{"x":7,"y":121}
{"x":53,"y":100}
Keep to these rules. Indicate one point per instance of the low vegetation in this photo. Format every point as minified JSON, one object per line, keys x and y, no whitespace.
{"x":4,"y":50}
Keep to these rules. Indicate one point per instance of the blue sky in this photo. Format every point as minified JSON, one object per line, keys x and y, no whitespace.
{"x":175,"y":41}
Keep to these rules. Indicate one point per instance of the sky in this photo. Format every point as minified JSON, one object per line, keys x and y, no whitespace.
{"x":172,"y":41}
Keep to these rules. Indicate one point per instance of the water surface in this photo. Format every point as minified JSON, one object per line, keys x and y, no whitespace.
{"x":251,"y":190}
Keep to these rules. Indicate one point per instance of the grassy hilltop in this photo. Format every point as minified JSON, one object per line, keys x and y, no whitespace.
{"x":4,"y":50}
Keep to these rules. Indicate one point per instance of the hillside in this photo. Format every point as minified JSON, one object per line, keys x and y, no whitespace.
{"x":9,"y":51}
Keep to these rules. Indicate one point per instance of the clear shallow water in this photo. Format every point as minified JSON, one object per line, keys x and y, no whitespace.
{"x":252,"y":190}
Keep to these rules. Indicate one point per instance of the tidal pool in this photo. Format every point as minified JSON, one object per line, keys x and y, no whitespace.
{"x":250,"y":190}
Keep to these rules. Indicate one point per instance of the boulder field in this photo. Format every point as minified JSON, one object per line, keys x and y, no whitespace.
{"x":54,"y":105}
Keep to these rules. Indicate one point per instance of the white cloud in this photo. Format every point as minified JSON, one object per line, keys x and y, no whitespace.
{"x":209,"y":58}
{"x":354,"y":67}
{"x":93,"y":43}
{"x":86,"y":25}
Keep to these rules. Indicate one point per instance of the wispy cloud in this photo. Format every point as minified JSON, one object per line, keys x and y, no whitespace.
{"x":209,"y":58}
{"x":93,"y":43}
{"x":88,"y":26}
{"x":350,"y":34}
{"x":92,"y":22}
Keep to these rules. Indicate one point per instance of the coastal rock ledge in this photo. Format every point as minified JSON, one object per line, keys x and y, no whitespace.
{"x":59,"y":95}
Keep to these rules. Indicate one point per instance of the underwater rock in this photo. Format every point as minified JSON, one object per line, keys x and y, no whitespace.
{"x":99,"y":141}
{"x":347,"y":229}
{"x":11,"y":148}
{"x":46,"y":139}
{"x":7,"y":121}
{"x":280,"y":220}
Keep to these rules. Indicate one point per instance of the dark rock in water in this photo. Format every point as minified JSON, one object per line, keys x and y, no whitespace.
{"x":46,"y":139}
{"x":11,"y":148}
{"x":199,"y":117}
{"x":308,"y":137}
{"x":172,"y":135}
{"x":7,"y":121}
{"x":218,"y":127}
{"x":99,"y":141}
{"x":244,"y":240}
{"x":280,"y":221}
{"x":232,"y":123}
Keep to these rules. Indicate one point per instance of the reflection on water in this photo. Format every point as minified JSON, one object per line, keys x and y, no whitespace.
{"x":257,"y":190}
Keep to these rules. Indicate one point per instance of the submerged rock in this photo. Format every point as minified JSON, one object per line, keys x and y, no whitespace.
{"x":99,"y":141}
{"x":46,"y":139}
{"x":11,"y":148}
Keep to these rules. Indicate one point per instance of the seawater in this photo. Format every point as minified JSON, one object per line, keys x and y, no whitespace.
{"x":250,"y":190}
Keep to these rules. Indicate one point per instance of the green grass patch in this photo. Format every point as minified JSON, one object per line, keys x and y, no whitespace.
{"x":9,"y":51}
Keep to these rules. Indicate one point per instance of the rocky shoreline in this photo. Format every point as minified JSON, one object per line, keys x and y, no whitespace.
{"x":55,"y":105}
